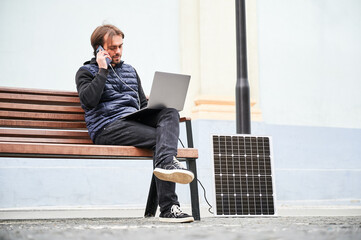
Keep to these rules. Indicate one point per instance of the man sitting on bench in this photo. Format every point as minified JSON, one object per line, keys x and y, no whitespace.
{"x":108,"y":92}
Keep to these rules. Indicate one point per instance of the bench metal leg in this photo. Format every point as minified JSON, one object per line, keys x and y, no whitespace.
{"x":152,"y":202}
{"x":191,"y":164}
{"x":189,"y":134}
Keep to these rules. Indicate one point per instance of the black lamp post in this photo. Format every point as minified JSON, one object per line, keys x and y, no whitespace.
{"x":243,"y":105}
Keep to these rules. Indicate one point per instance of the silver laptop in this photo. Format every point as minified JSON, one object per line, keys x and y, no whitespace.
{"x":169,"y":90}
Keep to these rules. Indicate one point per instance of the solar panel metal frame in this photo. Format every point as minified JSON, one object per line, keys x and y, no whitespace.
{"x":272,"y":175}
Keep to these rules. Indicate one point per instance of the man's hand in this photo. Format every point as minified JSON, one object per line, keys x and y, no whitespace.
{"x":101,"y":59}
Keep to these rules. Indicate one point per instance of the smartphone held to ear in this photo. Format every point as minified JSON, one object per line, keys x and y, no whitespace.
{"x":108,"y":60}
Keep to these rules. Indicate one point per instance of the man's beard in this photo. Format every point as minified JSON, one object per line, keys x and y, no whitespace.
{"x":116,"y":58}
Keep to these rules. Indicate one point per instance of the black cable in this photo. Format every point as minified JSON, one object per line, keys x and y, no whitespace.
{"x":204,"y":189}
{"x":181,"y":142}
{"x":205,"y":197}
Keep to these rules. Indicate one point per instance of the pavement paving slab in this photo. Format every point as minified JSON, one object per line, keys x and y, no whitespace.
{"x":216,"y":228}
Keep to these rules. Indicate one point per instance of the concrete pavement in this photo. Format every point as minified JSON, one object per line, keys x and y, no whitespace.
{"x":209,"y":228}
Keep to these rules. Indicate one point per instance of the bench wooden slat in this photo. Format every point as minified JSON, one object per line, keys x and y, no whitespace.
{"x":38,"y":91}
{"x":183,"y":119}
{"x":41,"y":108}
{"x":47,"y":140}
{"x":50,"y":116}
{"x":42,"y":115}
{"x":15,"y":132}
{"x":37,"y":98}
{"x":41,"y":124}
{"x":85,"y":150}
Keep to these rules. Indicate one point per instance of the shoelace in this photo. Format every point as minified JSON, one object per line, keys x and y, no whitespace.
{"x":176,"y":162}
{"x":176,"y":211}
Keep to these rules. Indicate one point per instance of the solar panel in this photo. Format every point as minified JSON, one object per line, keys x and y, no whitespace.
{"x":243,"y":175}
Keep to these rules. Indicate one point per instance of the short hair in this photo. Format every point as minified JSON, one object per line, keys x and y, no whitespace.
{"x":97,"y":37}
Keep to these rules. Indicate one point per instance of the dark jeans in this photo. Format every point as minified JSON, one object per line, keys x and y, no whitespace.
{"x":158,"y":131}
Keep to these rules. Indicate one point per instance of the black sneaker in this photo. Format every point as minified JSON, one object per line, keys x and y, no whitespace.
{"x":174,"y":172}
{"x":175,"y":215}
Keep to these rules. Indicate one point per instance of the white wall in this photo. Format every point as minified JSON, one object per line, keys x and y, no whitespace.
{"x":310,"y":55}
{"x":43,"y":43}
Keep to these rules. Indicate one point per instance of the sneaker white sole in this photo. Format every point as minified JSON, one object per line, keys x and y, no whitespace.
{"x":177,"y":220}
{"x":177,"y":175}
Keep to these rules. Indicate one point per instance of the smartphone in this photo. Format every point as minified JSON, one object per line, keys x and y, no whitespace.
{"x":107,"y":59}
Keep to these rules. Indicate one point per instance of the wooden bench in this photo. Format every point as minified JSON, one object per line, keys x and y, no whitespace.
{"x":50,"y":124}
